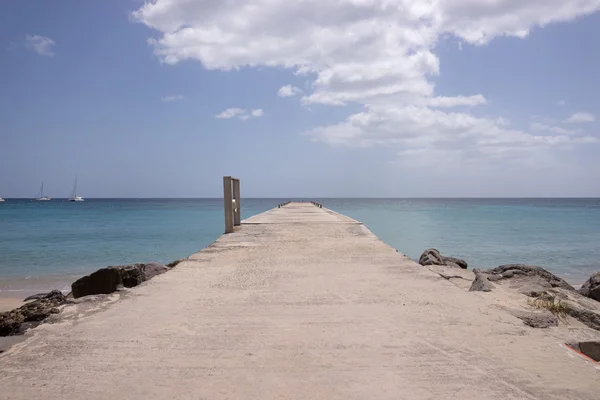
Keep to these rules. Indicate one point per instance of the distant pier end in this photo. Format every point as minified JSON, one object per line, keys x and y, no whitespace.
{"x":232,"y":203}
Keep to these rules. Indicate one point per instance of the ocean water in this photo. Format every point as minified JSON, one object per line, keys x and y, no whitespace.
{"x":46,"y":245}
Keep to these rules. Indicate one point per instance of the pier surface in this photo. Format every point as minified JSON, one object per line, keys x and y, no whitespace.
{"x":298,"y":303}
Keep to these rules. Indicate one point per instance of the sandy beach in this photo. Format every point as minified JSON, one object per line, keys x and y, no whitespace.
{"x":14,"y":289}
{"x":10,"y":303}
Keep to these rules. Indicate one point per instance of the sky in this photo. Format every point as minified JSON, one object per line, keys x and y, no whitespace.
{"x":305,"y":98}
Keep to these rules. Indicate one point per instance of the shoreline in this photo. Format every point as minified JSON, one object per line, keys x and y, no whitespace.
{"x":10,"y":303}
{"x":20,"y":287}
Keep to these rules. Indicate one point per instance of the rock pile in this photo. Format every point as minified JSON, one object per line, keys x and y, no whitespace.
{"x":535,"y":282}
{"x":30,"y":315}
{"x":104,"y":281}
{"x":433,"y":257}
{"x":591,"y":288}
{"x":528,"y":279}
{"x":481,"y":282}
{"x":108,"y":280}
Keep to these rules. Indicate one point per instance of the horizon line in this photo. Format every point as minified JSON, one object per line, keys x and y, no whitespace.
{"x":318,"y":197}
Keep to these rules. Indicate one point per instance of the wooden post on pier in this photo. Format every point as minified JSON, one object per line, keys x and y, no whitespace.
{"x":237,"y":207}
{"x":231,"y":202}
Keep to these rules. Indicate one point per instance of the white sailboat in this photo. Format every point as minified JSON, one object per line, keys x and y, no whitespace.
{"x":42,"y":197}
{"x":74,"y":196}
{"x":1,"y":200}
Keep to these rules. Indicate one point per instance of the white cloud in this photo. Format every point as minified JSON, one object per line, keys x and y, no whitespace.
{"x":580,"y":117}
{"x":173,"y":97}
{"x":541,"y":127}
{"x":231,"y":113}
{"x":40,"y":44}
{"x":421,"y":130}
{"x":378,"y":54}
{"x":480,"y":21}
{"x":240,"y":113}
{"x":388,"y":53}
{"x":288,"y":91}
{"x":457,"y":101}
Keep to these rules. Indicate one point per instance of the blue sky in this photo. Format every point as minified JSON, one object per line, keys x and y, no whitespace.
{"x":308,"y":98}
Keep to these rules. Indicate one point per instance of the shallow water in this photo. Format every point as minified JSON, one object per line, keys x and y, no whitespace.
{"x":44,"y":245}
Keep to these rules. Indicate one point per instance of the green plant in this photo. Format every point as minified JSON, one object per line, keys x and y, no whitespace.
{"x":546,"y":301}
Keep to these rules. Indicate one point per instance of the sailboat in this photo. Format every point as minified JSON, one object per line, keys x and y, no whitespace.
{"x":1,"y":200}
{"x":74,"y":196}
{"x":42,"y":197}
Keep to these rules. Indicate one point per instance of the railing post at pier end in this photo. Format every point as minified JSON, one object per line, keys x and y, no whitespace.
{"x":232,"y":203}
{"x":237,"y":208}
{"x":228,"y":204}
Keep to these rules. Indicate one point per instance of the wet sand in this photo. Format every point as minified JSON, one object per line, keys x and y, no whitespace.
{"x":10,"y":303}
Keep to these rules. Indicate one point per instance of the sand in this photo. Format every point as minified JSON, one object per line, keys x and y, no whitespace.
{"x":9,"y":303}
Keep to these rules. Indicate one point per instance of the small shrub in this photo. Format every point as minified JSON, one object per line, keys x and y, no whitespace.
{"x":546,"y":301}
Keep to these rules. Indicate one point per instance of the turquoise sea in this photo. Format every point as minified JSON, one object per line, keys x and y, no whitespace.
{"x":46,"y":245}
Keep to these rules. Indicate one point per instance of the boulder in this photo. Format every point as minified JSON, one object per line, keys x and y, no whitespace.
{"x":36,"y":296}
{"x":150,"y":270}
{"x":433,"y":257}
{"x":174,"y":263}
{"x":131,"y":275}
{"x":459,"y":262}
{"x":583,"y":309}
{"x":591,"y":288}
{"x":535,"y":282}
{"x":103,"y":281}
{"x":543,"y":319}
{"x":17,"y":321}
{"x":107,"y":280}
{"x":481,"y":282}
{"x":527,"y":279}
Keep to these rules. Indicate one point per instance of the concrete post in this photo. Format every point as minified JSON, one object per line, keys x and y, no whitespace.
{"x":237,"y":215}
{"x":227,"y":202}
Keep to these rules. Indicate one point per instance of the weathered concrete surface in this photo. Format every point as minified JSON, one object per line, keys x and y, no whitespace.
{"x":300,"y":303}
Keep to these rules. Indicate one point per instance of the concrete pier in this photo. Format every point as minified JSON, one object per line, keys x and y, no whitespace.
{"x":299,"y":303}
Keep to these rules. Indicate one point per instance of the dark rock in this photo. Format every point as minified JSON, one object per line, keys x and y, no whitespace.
{"x":527,"y":279}
{"x":36,"y":296}
{"x":586,"y":316}
{"x":131,"y":275}
{"x":103,"y":281}
{"x":590,"y":349}
{"x":150,"y":270}
{"x":481,"y":283}
{"x":433,"y":257}
{"x":583,"y":309}
{"x":493,"y":278}
{"x":591,"y":288}
{"x":17,"y":321}
{"x":174,"y":263}
{"x":108,"y":280}
{"x":537,"y":319}
{"x":461,"y":263}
